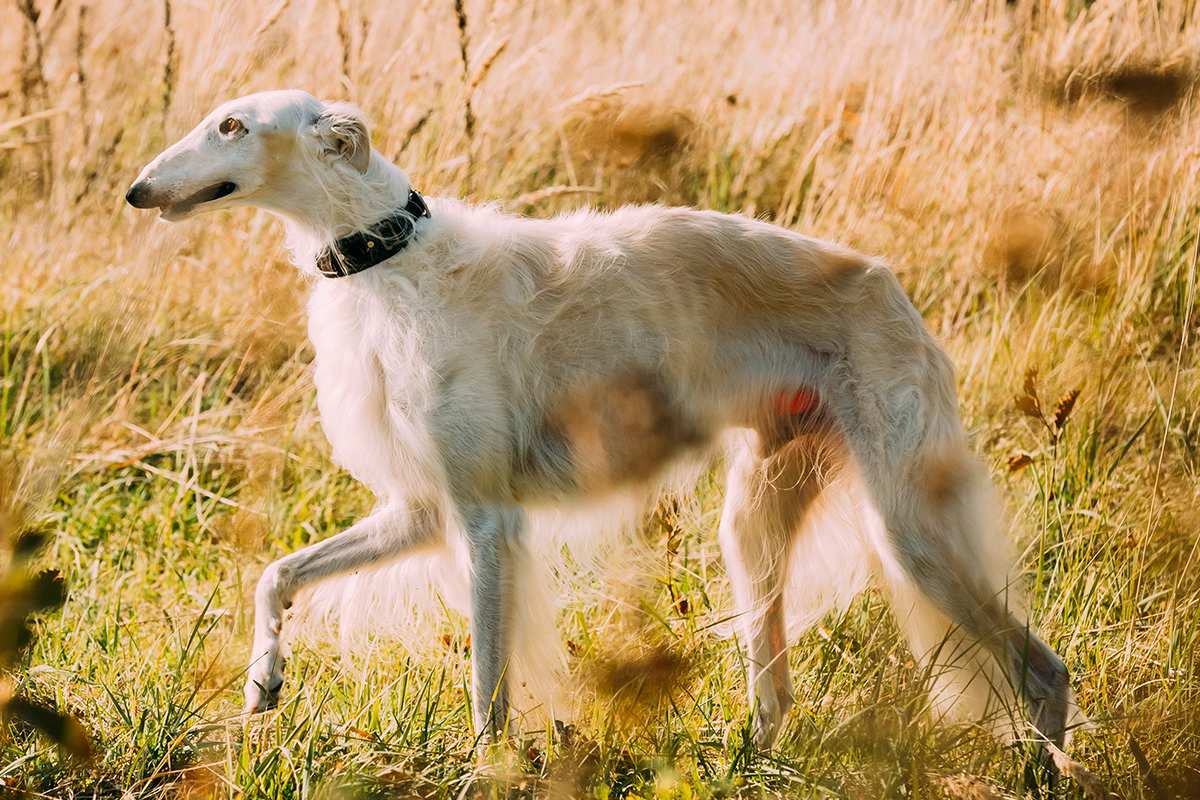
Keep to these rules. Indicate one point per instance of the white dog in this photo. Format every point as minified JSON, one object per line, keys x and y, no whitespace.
{"x":471,"y":366}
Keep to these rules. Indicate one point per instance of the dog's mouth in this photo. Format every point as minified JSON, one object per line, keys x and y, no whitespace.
{"x":183,"y":208}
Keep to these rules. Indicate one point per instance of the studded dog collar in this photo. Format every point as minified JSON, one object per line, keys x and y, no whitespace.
{"x":359,"y":251}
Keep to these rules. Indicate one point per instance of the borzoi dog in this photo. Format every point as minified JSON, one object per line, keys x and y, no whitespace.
{"x":472,"y":367}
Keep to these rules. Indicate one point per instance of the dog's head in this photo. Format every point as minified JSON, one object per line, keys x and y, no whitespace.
{"x":264,"y":150}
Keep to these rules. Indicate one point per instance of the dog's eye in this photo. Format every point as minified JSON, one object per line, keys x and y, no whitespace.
{"x":230,"y":126}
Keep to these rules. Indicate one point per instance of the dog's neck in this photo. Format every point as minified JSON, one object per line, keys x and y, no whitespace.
{"x":341,"y":204}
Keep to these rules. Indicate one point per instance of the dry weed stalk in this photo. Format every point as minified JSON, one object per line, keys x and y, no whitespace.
{"x":1030,"y":405}
{"x":486,"y":66}
{"x":272,"y":17}
{"x":411,"y":133}
{"x":539,"y":195}
{"x":102,"y":157}
{"x":34,"y":90}
{"x":343,"y":33}
{"x":85,"y":124}
{"x":460,"y":15}
{"x":168,"y":78}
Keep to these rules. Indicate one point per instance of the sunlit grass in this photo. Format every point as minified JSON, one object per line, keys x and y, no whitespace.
{"x":1042,"y":213}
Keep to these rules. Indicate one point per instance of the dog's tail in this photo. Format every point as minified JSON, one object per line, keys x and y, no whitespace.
{"x":931,"y":519}
{"x":407,"y":601}
{"x":844,"y":547}
{"x":968,"y":681}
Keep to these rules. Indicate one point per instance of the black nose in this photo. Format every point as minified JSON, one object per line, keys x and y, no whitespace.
{"x":138,"y":195}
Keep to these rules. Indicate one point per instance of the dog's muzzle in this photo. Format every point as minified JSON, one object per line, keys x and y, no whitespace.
{"x":143,"y":195}
{"x":139,"y":195}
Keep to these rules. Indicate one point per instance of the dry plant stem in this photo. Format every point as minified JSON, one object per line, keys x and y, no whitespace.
{"x":412,"y":131}
{"x":35,"y":94}
{"x":168,"y":70}
{"x":343,"y":33}
{"x":85,"y":124}
{"x":460,"y":15}
{"x":273,"y":16}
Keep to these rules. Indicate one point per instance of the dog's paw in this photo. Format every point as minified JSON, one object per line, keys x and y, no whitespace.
{"x":261,"y":695}
{"x":763,"y":730}
{"x":565,"y":733}
{"x":767,"y":719}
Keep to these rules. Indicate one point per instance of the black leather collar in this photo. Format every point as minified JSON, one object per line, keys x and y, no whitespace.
{"x":362,"y":250}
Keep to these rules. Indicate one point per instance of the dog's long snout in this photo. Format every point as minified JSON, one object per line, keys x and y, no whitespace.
{"x":138,"y":195}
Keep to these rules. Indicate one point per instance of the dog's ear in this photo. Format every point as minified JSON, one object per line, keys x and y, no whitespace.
{"x":341,"y":130}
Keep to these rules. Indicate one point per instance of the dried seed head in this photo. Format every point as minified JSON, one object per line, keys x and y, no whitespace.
{"x":1027,"y":402}
{"x":1030,"y":385}
{"x":1146,"y":88}
{"x":1028,"y":406}
{"x":1064,"y":407}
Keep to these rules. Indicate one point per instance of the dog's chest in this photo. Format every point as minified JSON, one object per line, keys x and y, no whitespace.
{"x":373,"y":379}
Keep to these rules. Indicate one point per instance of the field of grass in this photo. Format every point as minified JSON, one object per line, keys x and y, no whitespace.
{"x":1031,"y":171}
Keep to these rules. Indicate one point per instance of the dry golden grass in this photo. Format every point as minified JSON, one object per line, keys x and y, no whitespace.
{"x":1030,"y":170}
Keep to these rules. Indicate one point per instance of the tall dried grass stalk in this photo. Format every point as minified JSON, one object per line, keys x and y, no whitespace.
{"x":485,"y":66}
{"x":85,"y":120}
{"x":343,"y":34}
{"x":460,"y":15}
{"x":168,"y":69}
{"x":412,"y":132}
{"x":272,"y":17}
{"x":35,"y":93}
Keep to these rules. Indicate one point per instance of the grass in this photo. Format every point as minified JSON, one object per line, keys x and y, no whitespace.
{"x":1029,"y":170}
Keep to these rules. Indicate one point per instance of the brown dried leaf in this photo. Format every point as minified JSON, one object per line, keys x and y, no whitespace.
{"x":1027,"y":402}
{"x":1019,"y":461}
{"x":1028,"y":406}
{"x":1093,"y":787}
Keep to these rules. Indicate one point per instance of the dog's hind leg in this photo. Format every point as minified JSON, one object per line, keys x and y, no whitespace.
{"x":894,"y":396}
{"x":765,"y":502}
{"x":389,"y":533}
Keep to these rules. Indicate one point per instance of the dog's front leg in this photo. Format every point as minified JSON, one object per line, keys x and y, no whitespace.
{"x":387,"y":534}
{"x":493,"y":533}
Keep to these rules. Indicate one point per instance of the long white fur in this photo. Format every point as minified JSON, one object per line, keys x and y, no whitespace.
{"x":503,"y":374}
